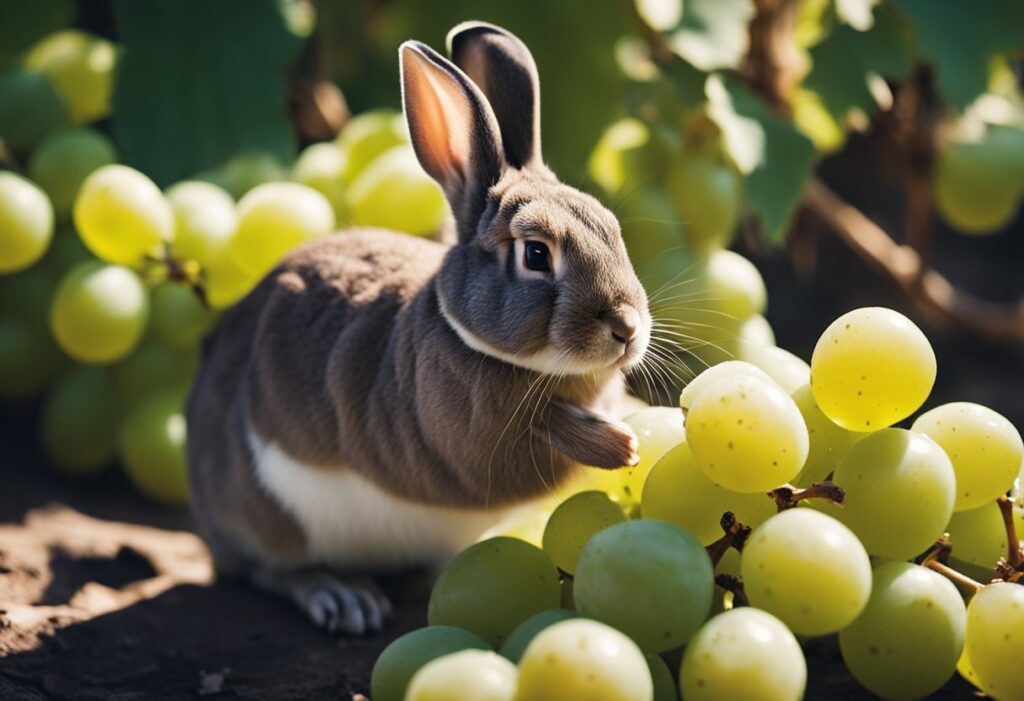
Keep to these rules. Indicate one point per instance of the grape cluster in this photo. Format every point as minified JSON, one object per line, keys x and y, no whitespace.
{"x":764,"y":513}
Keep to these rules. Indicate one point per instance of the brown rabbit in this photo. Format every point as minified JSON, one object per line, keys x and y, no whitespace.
{"x":378,"y":399}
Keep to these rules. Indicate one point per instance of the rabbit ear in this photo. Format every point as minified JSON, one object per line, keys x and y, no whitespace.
{"x":453,"y":130}
{"x":501,"y":65}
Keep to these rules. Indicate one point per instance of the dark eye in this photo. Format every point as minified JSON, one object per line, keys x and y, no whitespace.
{"x":537,"y":257}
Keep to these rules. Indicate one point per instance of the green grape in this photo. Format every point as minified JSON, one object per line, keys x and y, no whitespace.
{"x":400,"y":660}
{"x":29,"y":359}
{"x":518,"y":639}
{"x":29,"y":108}
{"x":808,"y":569}
{"x":468,"y":675}
{"x":985,"y":448}
{"x":978,"y":536}
{"x":756,"y":332}
{"x":366,"y":136}
{"x":995,"y":619}
{"x":26,"y":223}
{"x":743,"y":653}
{"x":177,"y":316}
{"x":708,"y":196}
{"x":122,"y":216}
{"x":906,"y":643}
{"x":152,"y":447}
{"x":63,"y":161}
{"x":658,"y":429}
{"x":623,"y":154}
{"x":900,"y":488}
{"x":828,"y":441}
{"x":734,"y":286}
{"x":871,"y":368}
{"x":963,"y":666}
{"x":81,"y":67}
{"x":977,"y":185}
{"x":245,"y":171}
{"x":574,"y":522}
{"x":650,"y":579}
{"x":654,"y":238}
{"x":205,"y":221}
{"x":225,"y":283}
{"x":79,"y":422}
{"x":747,"y":434}
{"x":99,"y":312}
{"x":493,"y":586}
{"x":152,"y":367}
{"x":787,"y":370}
{"x":583,"y":660}
{"x":395,"y":193}
{"x":679,"y":492}
{"x":274,"y":218}
{"x":661,"y":679}
{"x":322,"y":167}
{"x":715,"y":373}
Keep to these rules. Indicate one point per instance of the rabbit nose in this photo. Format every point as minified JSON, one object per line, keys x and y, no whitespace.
{"x":624,"y":323}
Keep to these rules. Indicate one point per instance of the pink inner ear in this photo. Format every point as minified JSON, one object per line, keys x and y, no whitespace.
{"x":441,"y":124}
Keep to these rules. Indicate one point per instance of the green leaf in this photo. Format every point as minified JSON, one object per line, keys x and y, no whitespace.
{"x":960,"y":37}
{"x":200,"y":81}
{"x":713,"y":34}
{"x":775,"y":156}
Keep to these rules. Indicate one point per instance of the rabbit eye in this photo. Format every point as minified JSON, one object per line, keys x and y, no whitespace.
{"x":536,"y":256}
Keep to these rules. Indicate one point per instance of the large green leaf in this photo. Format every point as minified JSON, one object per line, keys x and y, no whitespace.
{"x":200,"y":81}
{"x":775,"y":157}
{"x":713,"y":34}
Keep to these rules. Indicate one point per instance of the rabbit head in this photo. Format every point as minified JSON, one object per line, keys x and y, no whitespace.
{"x":539,"y":276}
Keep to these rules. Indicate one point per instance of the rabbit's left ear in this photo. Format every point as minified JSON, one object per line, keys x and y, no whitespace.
{"x":503,"y":68}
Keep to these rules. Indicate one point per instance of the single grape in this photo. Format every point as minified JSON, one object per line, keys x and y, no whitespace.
{"x":29,"y":108}
{"x":708,"y":195}
{"x":26,"y":223}
{"x":664,"y":686}
{"x":99,"y":312}
{"x":122,"y":216}
{"x":828,"y":441}
{"x":468,"y":675}
{"x":787,"y":370}
{"x":734,"y":286}
{"x":624,"y":154}
{"x":205,"y":220}
{"x":650,"y":579}
{"x":322,"y":167}
{"x":715,"y":373}
{"x":400,"y":660}
{"x":581,"y":660}
{"x":900,"y":489}
{"x":871,"y":368}
{"x":395,"y":193}
{"x":524,"y":522}
{"x":80,"y":422}
{"x":177,"y":316}
{"x":225,"y":283}
{"x":245,"y":171}
{"x":906,"y":643}
{"x":81,"y":67}
{"x":518,"y":639}
{"x":977,"y":185}
{"x":963,"y":666}
{"x":743,"y":653}
{"x":978,"y":536}
{"x":679,"y":492}
{"x":574,"y":522}
{"x":150,"y":368}
{"x":62,"y":162}
{"x":274,"y":218}
{"x":808,"y":569}
{"x":366,"y":136}
{"x":747,"y":434}
{"x":493,"y":586}
{"x":756,"y":332}
{"x":985,"y":448}
{"x":153,"y":447}
{"x":29,"y":359}
{"x":994,"y":642}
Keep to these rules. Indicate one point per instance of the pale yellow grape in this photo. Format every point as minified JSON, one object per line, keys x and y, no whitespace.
{"x":787,"y":370}
{"x":81,"y":67}
{"x":225,"y":283}
{"x":399,"y":661}
{"x":963,"y":666}
{"x":368,"y":135}
{"x":574,"y":522}
{"x":122,"y":216}
{"x":756,"y":332}
{"x":900,"y":489}
{"x":99,"y":312}
{"x":63,"y":161}
{"x":995,"y":640}
{"x":26,"y":223}
{"x":322,"y":167}
{"x":581,"y":660}
{"x":978,"y":536}
{"x":517,"y":641}
{"x":985,"y":448}
{"x":808,"y":569}
{"x":205,"y":220}
{"x":274,"y":218}
{"x":744,"y":653}
{"x":871,"y":368}
{"x":715,"y":373}
{"x":622,"y":153}
{"x":395,"y":193}
{"x":658,"y":429}
{"x":828,"y":441}
{"x":679,"y":492}
{"x":525,"y":523}
{"x":734,"y":286}
{"x":469,"y":675}
{"x":747,"y":434}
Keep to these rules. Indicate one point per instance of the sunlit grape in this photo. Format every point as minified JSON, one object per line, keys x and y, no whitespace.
{"x":525,"y":632}
{"x":81,"y":67}
{"x":574,"y":522}
{"x":400,"y":660}
{"x":322,"y":167}
{"x":995,"y":619}
{"x":26,"y":223}
{"x":368,"y":135}
{"x":395,"y":193}
{"x":469,"y":675}
{"x":787,"y":370}
{"x":205,"y":221}
{"x":715,"y":373}
{"x":828,"y":441}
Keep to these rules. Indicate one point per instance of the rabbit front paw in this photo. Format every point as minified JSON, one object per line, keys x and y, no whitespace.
{"x":589,"y":438}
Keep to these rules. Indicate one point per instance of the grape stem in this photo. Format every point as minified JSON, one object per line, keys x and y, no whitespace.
{"x":736,"y":535}
{"x":734,"y":584}
{"x":788,"y":496}
{"x":1011,"y":567}
{"x":971,"y":585}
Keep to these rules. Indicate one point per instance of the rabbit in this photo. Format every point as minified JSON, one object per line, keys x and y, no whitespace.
{"x":379,"y":400}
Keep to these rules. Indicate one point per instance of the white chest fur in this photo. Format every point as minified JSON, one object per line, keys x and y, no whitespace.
{"x":350,"y":523}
